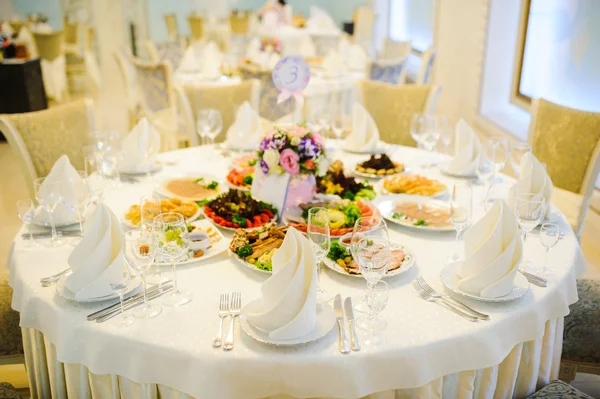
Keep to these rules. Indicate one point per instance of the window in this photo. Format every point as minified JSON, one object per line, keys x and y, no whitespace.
{"x":412,"y":20}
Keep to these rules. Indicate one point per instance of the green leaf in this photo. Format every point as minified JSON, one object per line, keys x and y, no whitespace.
{"x":242,"y":221}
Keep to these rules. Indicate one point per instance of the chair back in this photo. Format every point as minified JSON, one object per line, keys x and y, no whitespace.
{"x":196,"y":27}
{"x":426,"y":69}
{"x":154,"y":84}
{"x":49,"y":45}
{"x":239,"y":24}
{"x":39,"y":138}
{"x":393,"y":49}
{"x":128,"y":77}
{"x":90,"y":39}
{"x":172,"y":50}
{"x":325,"y":43}
{"x":392,"y":107}
{"x":17,"y":25}
{"x":268,"y":108}
{"x":172,"y":28}
{"x":390,"y":71}
{"x":363,"y":28}
{"x":225,"y":98}
{"x":71,"y":31}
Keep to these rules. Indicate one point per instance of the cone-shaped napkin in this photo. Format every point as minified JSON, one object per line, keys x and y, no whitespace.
{"x":288,"y":306}
{"x":333,"y":64}
{"x":211,"y":61}
{"x":307,"y":48}
{"x":139,"y":148}
{"x":356,"y":58}
{"x":466,"y":151}
{"x":253,"y":48}
{"x":246,"y":132}
{"x":534,"y":179}
{"x":100,"y":250}
{"x":62,"y":172}
{"x":365,"y":135}
{"x":493,"y":250}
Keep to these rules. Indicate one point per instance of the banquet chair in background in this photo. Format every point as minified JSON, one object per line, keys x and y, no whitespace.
{"x":83,"y":72}
{"x":73,"y":37}
{"x":393,"y":49}
{"x":172,"y":28}
{"x":268,"y":108}
{"x":123,"y":59}
{"x":8,"y":391}
{"x":11,"y":341}
{"x":39,"y":138}
{"x":239,"y":23}
{"x":557,"y":389}
{"x":17,"y":25}
{"x":568,"y":142}
{"x":196,"y":28}
{"x":324,"y":43}
{"x":51,"y":49}
{"x":171,"y":50}
{"x":392,"y":107}
{"x":225,"y":98}
{"x":426,"y":68}
{"x":363,"y":27}
{"x":388,"y":71}
{"x":154,"y":82}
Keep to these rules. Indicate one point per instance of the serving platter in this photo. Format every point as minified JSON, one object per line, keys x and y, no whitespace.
{"x":386,"y":205}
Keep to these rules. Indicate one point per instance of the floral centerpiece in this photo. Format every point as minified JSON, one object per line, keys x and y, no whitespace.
{"x":270,"y":44}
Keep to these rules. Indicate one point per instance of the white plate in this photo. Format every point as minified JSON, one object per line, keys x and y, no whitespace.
{"x":407,"y":264}
{"x":40,"y":220}
{"x":69,"y":295}
{"x":154,"y":168}
{"x":380,"y":189}
{"x":274,"y":218}
{"x":371,"y":176}
{"x":444,"y":171}
{"x":248,"y":264}
{"x":449,"y":277}
{"x":235,"y":187}
{"x":325,"y":323}
{"x":381,"y":148}
{"x":163,"y":192}
{"x":386,"y":203}
{"x":127,"y":223}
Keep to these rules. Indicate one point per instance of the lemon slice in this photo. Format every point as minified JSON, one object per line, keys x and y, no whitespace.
{"x":336,"y":218}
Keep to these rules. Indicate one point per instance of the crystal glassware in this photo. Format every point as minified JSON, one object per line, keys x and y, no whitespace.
{"x":150,"y":208}
{"x":529,"y":209}
{"x":484,"y":171}
{"x":549,"y":236}
{"x":140,"y":251}
{"x":49,"y":195}
{"x":461,"y":210}
{"x":496,"y":149}
{"x":423,"y":129}
{"x":78,"y":199}
{"x":446,"y":133}
{"x":172,"y":245}
{"x":517,"y":151}
{"x":377,"y":296}
{"x":209,"y":123}
{"x":319,"y":236}
{"x":338,"y":125}
{"x":26,"y":212}
{"x":95,"y":180}
{"x":119,"y":278}
{"x":109,"y":168}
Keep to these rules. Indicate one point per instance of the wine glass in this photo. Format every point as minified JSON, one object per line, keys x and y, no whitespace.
{"x":500,"y":191}
{"x":496,"y":149}
{"x":140,"y":251}
{"x":461,"y":208}
{"x":549,"y":236}
{"x":423,"y":130}
{"x":484,"y":171}
{"x":373,"y":255}
{"x":95,"y":180}
{"x":48,"y":195}
{"x":150,"y":208}
{"x":318,"y":234}
{"x":173,"y":244}
{"x":338,"y":125}
{"x":109,"y":169}
{"x":446,"y":133}
{"x":77,"y":198}
{"x":377,"y":295}
{"x":369,"y":226}
{"x":517,"y":152}
{"x":209,"y":123}
{"x":529,"y":209}
{"x":26,"y":212}
{"x":119,"y":278}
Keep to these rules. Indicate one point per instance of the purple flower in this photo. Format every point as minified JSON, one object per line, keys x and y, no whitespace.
{"x":264,"y":166}
{"x":308,"y":148}
{"x":277,"y":143}
{"x":264,"y":145}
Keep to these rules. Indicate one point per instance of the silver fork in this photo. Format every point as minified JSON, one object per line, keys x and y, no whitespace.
{"x":429,"y":298}
{"x":223,"y":313}
{"x":429,"y":290}
{"x":55,"y":276}
{"x":235,"y":306}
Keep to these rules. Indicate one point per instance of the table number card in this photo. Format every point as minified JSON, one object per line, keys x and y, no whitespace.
{"x":271,"y":189}
{"x":291,"y":76}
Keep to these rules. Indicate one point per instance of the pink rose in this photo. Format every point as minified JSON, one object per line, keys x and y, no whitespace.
{"x":318,"y":140}
{"x":288,"y":160}
{"x":271,"y":133}
{"x":298,"y":131}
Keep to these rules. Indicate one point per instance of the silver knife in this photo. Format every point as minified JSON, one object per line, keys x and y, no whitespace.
{"x":533,"y":279}
{"x":136,"y":303}
{"x":350,"y":317}
{"x":339,"y":316}
{"x":48,"y":234}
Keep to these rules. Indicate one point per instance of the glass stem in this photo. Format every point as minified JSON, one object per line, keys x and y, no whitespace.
{"x":456,"y":242}
{"x":319,"y":276}
{"x":30,"y":232}
{"x":546,"y":259}
{"x":122,"y":305}
{"x":51,"y":216}
{"x":145,"y":288}
{"x":80,"y":221}
{"x":174,"y":278}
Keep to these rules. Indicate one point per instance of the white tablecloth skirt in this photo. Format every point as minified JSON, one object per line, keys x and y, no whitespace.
{"x":529,"y":366}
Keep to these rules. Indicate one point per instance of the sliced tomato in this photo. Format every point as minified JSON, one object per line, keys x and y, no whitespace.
{"x":249,"y":224}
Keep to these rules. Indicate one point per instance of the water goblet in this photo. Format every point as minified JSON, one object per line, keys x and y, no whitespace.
{"x":529,"y":209}
{"x":109,"y":169}
{"x":549,"y":236}
{"x":484,"y":171}
{"x":140,"y":251}
{"x":150,"y":208}
{"x":170,"y":231}
{"x":26,"y":212}
{"x":95,"y":180}
{"x":119,"y":278}
{"x":496,"y":149}
{"x":377,"y":295}
{"x":461,"y":209}
{"x":373,"y":255}
{"x":338,"y":126}
{"x":424,"y":131}
{"x":209,"y":124}
{"x":319,"y":236}
{"x":77,"y":197}
{"x":48,"y":195}
{"x":517,"y":152}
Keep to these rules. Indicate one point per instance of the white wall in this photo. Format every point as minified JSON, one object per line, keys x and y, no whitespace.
{"x":6,"y":9}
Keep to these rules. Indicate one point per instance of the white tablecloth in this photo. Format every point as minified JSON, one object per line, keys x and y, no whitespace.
{"x":427,"y":346}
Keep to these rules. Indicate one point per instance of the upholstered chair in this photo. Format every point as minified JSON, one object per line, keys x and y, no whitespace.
{"x":172,"y":28}
{"x":196,"y":28}
{"x":11,"y":342}
{"x":568,"y":142}
{"x":581,"y":335}
{"x":39,"y":138}
{"x":426,"y":68}
{"x":324,"y":43}
{"x":73,"y":32}
{"x":171,"y":50}
{"x":391,"y":71}
{"x":225,"y":98}
{"x":559,"y":390}
{"x":393,"y":49}
{"x":82,"y":66}
{"x":127,"y":72}
{"x":363,"y":27}
{"x":392,"y":107}
{"x":51,"y":49}
{"x":268,"y":108}
{"x":239,"y":24}
{"x":8,"y":391}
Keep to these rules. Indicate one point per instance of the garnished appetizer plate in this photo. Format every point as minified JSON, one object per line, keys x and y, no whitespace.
{"x":412,"y":185}
{"x":206,"y":242}
{"x":335,"y":182}
{"x":378,"y":166}
{"x":240,"y":178}
{"x":189,"y":209}
{"x":191,"y":188}
{"x":237,"y":209}
{"x":416,"y":212}
{"x":255,"y":248}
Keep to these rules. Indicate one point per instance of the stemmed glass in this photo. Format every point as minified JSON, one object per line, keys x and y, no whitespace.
{"x":461,"y":208}
{"x":95,"y":180}
{"x":369,"y":226}
{"x":173,"y":244}
{"x":150,"y":208}
{"x":26,"y":212}
{"x":49,"y":195}
{"x":529,"y":209}
{"x":79,"y":199}
{"x":373,"y":255}
{"x":318,"y":234}
{"x":109,"y":168}
{"x":377,"y":300}
{"x":517,"y":151}
{"x":423,"y":129}
{"x":140,"y":252}
{"x":446,"y":133}
{"x":549,"y":236}
{"x":485,"y":170}
{"x":119,"y":278}
{"x":496,"y":149}
{"x":338,"y":126}
{"x":209,"y":124}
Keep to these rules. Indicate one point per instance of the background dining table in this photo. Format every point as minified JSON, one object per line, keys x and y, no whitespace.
{"x":429,"y":351}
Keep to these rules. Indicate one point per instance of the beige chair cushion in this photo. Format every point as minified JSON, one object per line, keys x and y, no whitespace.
{"x":11,"y":343}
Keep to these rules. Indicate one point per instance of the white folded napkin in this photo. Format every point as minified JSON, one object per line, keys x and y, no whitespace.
{"x":320,"y":21}
{"x":42,"y":27}
{"x":54,"y":74}
{"x":139,"y":147}
{"x":61,"y":173}
{"x":534,"y":179}
{"x":333,"y":64}
{"x":355,"y":56}
{"x":467,"y":148}
{"x":343,"y":46}
{"x":365,"y":135}
{"x":307,"y":48}
{"x":288,"y":306}
{"x":26,"y":37}
{"x":99,"y":253}
{"x":246,"y":132}
{"x":190,"y":61}
{"x":493,"y":250}
{"x":211,"y":60}
{"x":253,"y":48}
{"x":266,"y":59}
{"x":6,"y":28}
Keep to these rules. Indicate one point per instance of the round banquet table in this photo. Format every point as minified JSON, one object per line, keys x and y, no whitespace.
{"x":430,"y":352}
